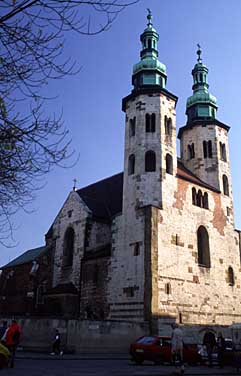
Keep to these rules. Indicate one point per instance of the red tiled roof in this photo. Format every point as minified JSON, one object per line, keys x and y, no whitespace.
{"x":104,"y":198}
{"x":184,"y":173}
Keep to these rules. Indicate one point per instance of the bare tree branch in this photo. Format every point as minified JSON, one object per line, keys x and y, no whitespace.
{"x":31,"y":54}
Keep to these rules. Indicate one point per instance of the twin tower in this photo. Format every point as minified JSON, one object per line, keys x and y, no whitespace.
{"x":151,"y":163}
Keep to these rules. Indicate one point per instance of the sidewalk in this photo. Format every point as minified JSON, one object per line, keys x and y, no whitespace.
{"x":139,"y":370}
{"x":81,"y":356}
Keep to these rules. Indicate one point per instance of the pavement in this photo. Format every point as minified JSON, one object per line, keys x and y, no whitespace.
{"x":109,"y":363}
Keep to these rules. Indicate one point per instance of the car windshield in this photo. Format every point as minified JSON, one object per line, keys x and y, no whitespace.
{"x":146,"y":340}
{"x":166,"y":342}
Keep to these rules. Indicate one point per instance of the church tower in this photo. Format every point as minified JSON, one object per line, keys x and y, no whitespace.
{"x":150,"y":129}
{"x":204,"y":139}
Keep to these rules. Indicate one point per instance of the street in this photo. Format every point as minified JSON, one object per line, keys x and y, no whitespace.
{"x":101,"y":367}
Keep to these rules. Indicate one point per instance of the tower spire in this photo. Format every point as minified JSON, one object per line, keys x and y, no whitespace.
{"x":149,"y":71}
{"x":202,"y":104}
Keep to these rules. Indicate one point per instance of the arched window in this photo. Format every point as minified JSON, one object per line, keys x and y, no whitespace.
{"x":131,"y":164}
{"x":230,"y":276}
{"x":194,"y":196}
{"x":153,"y":123}
{"x":168,"y":126}
{"x":169,"y":164}
{"x":199,"y":198}
{"x":68,"y":247}
{"x":223,"y":152}
{"x":203,"y":247}
{"x":225,"y":185}
{"x":205,"y":200}
{"x":150,"y":161}
{"x":148,"y":123}
{"x":191,"y":151}
{"x":210,"y":149}
{"x":149,"y":43}
{"x":205,"y":152}
{"x":132,"y":129}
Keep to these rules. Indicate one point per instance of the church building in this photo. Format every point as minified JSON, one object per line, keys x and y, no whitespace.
{"x":157,"y":242}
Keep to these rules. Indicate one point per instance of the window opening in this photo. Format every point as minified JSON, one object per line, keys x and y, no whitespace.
{"x":199,"y":198}
{"x":168,"y":289}
{"x":225,"y":185}
{"x":150,"y":161}
{"x":131,"y":165}
{"x":203,"y":247}
{"x":205,"y":200}
{"x":136,"y":249}
{"x":169,"y":164}
{"x":230,"y":276}
{"x":194,"y":196}
{"x":205,"y":154}
{"x":132,"y":127}
{"x":210,"y":150}
{"x":153,"y":123}
{"x":148,"y":123}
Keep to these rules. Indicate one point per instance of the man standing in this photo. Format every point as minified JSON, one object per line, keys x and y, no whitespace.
{"x":210,"y":342}
{"x":177,"y":348}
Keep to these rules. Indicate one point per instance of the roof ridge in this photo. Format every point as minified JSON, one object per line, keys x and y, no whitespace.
{"x":100,"y":181}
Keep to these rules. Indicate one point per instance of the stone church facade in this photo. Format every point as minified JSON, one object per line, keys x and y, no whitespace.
{"x":156,"y":243}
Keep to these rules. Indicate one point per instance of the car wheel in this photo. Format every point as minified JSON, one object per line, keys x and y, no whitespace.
{"x":138,"y":360}
{"x":158,"y":361}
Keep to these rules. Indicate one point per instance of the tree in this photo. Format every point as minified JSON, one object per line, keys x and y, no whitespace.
{"x":31,"y":54}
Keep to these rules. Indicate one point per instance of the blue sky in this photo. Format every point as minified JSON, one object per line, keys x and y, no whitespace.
{"x":91,"y":100}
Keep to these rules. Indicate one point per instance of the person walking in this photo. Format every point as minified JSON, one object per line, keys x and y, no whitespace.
{"x":220,"y":348}
{"x":209,"y":341}
{"x":177,"y":348}
{"x":56,"y":344}
{"x":12,"y":339}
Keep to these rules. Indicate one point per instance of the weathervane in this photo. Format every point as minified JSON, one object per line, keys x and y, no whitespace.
{"x":199,"y":52}
{"x":149,"y":17}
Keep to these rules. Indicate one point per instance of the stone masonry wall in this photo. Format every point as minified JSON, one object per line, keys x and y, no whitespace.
{"x":207,"y":169}
{"x":187,"y":292}
{"x":73,"y":214}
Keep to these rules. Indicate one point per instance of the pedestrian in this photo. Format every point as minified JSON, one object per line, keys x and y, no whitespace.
{"x":177,"y":348}
{"x":12,"y":339}
{"x":56,"y":344}
{"x":220,"y":348}
{"x":209,"y":341}
{"x":3,"y":330}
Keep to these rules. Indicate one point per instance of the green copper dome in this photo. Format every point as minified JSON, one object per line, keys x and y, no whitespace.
{"x":149,"y":64}
{"x":202,"y":104}
{"x":149,"y":70}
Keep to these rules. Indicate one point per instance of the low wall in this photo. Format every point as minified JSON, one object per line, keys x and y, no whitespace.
{"x":79,"y":335}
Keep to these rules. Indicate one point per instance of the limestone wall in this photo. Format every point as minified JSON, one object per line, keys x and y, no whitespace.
{"x":197,"y":295}
{"x":73,"y":214}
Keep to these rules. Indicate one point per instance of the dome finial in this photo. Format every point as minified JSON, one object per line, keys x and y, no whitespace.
{"x":199,"y":52}
{"x":149,"y":17}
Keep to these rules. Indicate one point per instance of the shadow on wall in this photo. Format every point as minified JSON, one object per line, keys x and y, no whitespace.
{"x":102,"y":336}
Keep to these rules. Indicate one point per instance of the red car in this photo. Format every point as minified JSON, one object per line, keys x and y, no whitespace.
{"x":158,"y":350}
